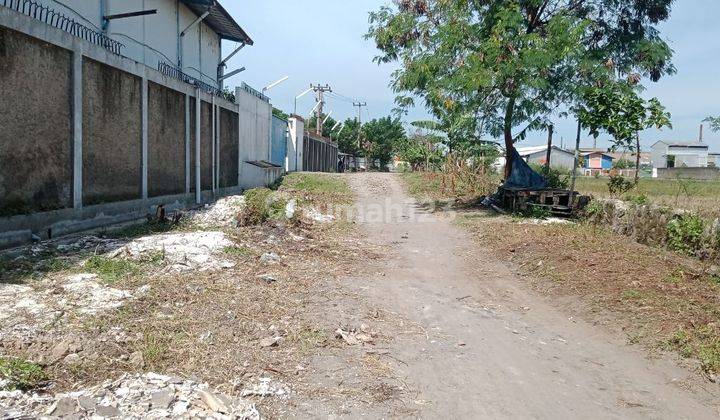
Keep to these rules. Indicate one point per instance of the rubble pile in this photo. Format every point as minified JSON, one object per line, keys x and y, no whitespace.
{"x":148,"y":396}
{"x":25,"y":310}
{"x":222,"y":213}
{"x":182,"y":251}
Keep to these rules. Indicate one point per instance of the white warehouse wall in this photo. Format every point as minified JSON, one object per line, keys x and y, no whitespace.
{"x":153,"y":38}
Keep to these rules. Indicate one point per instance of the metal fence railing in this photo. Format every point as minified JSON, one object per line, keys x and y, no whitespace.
{"x":47,"y":15}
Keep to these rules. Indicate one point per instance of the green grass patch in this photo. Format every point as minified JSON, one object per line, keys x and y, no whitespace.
{"x":21,"y":374}
{"x":111,"y":269}
{"x":142,"y":229}
{"x":238,"y":251}
{"x":328,"y":188}
{"x":631,"y":295}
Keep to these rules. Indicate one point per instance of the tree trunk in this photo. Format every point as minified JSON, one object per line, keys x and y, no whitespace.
{"x":577,"y":159}
{"x":549,"y":149}
{"x":637,"y":158}
{"x":507,"y":132}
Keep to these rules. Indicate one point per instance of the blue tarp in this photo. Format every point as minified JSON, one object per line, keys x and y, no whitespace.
{"x":522,"y":175}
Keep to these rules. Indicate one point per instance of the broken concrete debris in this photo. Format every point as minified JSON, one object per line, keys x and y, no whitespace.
{"x":265,"y":388}
{"x":26,"y":310}
{"x":148,"y":396}
{"x":181,"y":251}
{"x":316,"y":216}
{"x":222,"y":213}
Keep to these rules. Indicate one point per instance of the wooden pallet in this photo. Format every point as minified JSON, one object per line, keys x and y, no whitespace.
{"x":556,"y":201}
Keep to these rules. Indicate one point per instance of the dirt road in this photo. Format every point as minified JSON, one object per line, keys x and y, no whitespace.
{"x":491,"y":348}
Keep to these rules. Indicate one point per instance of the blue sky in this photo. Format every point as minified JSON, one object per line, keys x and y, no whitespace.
{"x":321,"y":41}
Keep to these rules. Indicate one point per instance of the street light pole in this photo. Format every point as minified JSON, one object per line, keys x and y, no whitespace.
{"x":273,"y":84}
{"x":300,"y":96}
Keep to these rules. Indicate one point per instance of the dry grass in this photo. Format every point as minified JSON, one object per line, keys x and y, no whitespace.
{"x":209,"y":325}
{"x":661,"y":299}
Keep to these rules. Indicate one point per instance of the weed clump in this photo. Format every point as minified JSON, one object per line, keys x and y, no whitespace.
{"x":685,"y":234}
{"x":18,"y":374}
{"x":261,"y":205}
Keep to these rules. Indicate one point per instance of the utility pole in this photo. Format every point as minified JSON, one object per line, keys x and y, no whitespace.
{"x":320,"y":99}
{"x":359,"y":106}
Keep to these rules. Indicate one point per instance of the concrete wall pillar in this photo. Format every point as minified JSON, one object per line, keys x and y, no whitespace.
{"x":77,"y":110}
{"x":296,"y":128}
{"x":144,"y":122}
{"x":217,"y":148}
{"x":213,"y":147}
{"x":187,"y":144}
{"x":198,"y":135}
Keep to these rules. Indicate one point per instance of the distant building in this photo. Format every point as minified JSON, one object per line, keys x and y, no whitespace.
{"x":679,"y":155}
{"x":559,"y":158}
{"x":597,"y":161}
{"x":714,"y":160}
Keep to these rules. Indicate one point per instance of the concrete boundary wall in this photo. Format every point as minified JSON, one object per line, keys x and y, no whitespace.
{"x":319,"y":155}
{"x":700,"y":174}
{"x":131,"y":139}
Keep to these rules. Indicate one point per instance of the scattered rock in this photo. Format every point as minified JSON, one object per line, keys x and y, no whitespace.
{"x":265,"y":388}
{"x":267,"y":278}
{"x":162,"y":399}
{"x":213,"y":403}
{"x":290,"y":209}
{"x":316,"y":216}
{"x":353,"y":337}
{"x":64,"y":407}
{"x":270,"y":342}
{"x":270,"y":258}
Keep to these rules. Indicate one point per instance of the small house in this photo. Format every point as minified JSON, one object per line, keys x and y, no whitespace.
{"x":597,"y":161}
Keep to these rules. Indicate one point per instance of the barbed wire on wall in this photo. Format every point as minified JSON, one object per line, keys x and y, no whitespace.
{"x":60,"y":21}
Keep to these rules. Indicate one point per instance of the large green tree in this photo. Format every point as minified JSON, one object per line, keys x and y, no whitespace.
{"x":507,"y":65}
{"x":381,"y":137}
{"x":348,"y":137}
{"x":618,"y":109}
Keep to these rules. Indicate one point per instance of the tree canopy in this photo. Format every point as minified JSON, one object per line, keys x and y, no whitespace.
{"x":714,"y":123}
{"x":502,"y":67}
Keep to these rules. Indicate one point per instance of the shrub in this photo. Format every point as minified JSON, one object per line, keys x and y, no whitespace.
{"x":685,"y":234}
{"x":555,"y":177}
{"x":593,"y":209}
{"x":618,"y":185}
{"x":638,"y":199}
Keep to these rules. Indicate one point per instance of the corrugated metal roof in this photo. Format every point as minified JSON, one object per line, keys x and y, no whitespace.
{"x":525,"y":151}
{"x":692,"y":144}
{"x":219,"y":20}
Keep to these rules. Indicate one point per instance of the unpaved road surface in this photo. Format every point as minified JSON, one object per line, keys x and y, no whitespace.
{"x":489,"y":347}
